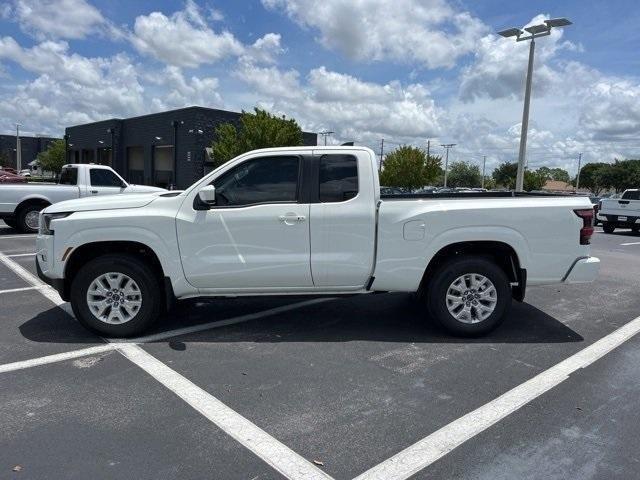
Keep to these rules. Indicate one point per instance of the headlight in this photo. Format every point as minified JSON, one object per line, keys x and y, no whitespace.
{"x":45,"y":221}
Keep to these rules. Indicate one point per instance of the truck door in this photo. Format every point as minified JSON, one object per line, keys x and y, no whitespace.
{"x":343,"y":219}
{"x":103,"y":181}
{"x":256,"y":235}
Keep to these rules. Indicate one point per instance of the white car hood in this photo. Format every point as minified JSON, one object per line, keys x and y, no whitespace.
{"x":104,"y":202}
{"x":142,"y":189}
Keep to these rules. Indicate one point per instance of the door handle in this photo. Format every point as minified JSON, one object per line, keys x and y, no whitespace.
{"x":291,"y":218}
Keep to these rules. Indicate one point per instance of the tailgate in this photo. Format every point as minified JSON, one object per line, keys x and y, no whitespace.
{"x":620,"y":207}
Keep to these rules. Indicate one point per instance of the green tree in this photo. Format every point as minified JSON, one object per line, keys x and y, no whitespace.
{"x":54,"y":157}
{"x":505,"y":175}
{"x":558,"y":174}
{"x":591,"y":177}
{"x":409,"y":167}
{"x":534,"y":180}
{"x":464,"y":174}
{"x":259,"y":129}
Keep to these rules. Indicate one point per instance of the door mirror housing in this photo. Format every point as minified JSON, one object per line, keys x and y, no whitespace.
{"x":205,"y":198}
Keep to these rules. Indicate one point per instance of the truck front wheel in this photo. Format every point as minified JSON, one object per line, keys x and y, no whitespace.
{"x":116,"y":296}
{"x":469,"y":296}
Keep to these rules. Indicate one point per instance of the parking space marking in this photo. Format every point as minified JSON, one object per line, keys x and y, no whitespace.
{"x":275,"y":453}
{"x":155,"y":337}
{"x":29,"y":277}
{"x":8,"y":237}
{"x":22,"y":289}
{"x":21,"y":255}
{"x":58,"y":357}
{"x":436,"y":445}
{"x":630,"y":243}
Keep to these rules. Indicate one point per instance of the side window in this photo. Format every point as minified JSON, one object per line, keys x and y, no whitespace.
{"x":101,"y":177}
{"x":68,"y":176}
{"x":263,"y":180}
{"x":338,"y":178}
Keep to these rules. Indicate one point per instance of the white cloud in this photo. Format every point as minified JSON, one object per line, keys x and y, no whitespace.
{"x":427,"y":32}
{"x":56,"y":18}
{"x":181,"y":92}
{"x":183,"y":39}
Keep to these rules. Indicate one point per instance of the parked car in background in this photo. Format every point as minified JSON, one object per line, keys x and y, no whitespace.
{"x":7,"y":177}
{"x":20,"y":205}
{"x":623,"y":212}
{"x":8,"y":170}
{"x":309,"y":220}
{"x":25,"y":172}
{"x":595,"y":201}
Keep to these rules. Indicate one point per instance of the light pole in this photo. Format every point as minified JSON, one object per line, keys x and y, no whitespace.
{"x":325,"y":134}
{"x":535,"y":31}
{"x":578,"y":175}
{"x":18,"y":148}
{"x":484,"y":164}
{"x":446,"y":146}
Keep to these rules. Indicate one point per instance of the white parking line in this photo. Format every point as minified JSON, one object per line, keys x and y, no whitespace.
{"x":630,"y":243}
{"x":55,"y":358}
{"x":21,"y":289}
{"x":21,"y":255}
{"x":275,"y":453}
{"x":426,"y":451}
{"x":8,"y":237}
{"x":29,"y":277}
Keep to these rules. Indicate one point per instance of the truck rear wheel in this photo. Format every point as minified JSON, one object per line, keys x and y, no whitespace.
{"x":608,"y":228}
{"x":116,"y":296}
{"x":469,"y":296}
{"x":28,"y":217}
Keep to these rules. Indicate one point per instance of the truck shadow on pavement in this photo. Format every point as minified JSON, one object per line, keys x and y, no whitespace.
{"x":377,"y":318}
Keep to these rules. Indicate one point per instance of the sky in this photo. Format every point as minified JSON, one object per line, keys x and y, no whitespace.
{"x":406,"y":71}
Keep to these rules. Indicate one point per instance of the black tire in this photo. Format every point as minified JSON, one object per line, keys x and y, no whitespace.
{"x":149,"y":287}
{"x":11,"y":222}
{"x":635,"y":230}
{"x":444,"y":277}
{"x":23,"y":214}
{"x":608,"y":228}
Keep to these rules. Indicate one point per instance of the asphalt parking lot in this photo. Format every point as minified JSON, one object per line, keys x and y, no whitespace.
{"x":338,"y":388}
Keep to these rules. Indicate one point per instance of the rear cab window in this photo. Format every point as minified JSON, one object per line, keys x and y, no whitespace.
{"x":338,"y":178}
{"x":631,"y":195}
{"x":69,"y":176}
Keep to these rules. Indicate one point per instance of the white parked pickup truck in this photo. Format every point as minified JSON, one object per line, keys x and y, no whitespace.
{"x":20,"y":203}
{"x":623,"y":212}
{"x":309,"y":220}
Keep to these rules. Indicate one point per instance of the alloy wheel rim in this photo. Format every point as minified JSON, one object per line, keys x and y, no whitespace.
{"x":471,"y":298}
{"x":114,"y":298}
{"x":32,"y":219}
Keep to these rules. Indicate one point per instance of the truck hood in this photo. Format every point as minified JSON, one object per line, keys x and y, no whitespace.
{"x":104,"y":202}
{"x":143,"y":189}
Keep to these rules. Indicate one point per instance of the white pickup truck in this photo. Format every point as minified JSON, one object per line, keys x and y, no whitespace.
{"x":290,"y":221}
{"x":20,"y":204}
{"x":623,"y":212}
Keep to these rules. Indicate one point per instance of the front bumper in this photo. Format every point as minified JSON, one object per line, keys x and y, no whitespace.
{"x":57,"y":283}
{"x":583,"y":270}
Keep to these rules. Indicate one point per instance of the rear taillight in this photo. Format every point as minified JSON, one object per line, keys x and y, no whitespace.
{"x":587,"y":225}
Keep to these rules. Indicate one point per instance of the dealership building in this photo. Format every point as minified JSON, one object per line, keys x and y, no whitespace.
{"x":30,"y":147}
{"x":167,"y":149}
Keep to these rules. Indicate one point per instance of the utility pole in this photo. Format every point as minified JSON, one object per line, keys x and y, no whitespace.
{"x":484,"y":164}
{"x":578,"y":175}
{"x":18,"y":148}
{"x":428,"y":148}
{"x":381,"y":154}
{"x":447,"y":146}
{"x":325,"y":134}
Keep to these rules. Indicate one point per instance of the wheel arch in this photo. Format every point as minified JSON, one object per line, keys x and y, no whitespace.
{"x":501,"y":253}
{"x":89,"y":251}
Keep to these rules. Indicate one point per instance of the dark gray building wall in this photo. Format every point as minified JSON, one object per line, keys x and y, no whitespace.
{"x":30,"y":147}
{"x":192,"y":129}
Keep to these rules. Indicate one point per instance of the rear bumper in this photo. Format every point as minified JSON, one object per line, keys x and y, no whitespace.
{"x":630,"y":222}
{"x":583,"y":270}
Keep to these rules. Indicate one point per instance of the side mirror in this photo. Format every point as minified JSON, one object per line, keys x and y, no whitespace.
{"x":205,"y":198}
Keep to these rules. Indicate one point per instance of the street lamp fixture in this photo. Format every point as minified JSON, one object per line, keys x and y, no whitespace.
{"x":534,"y":31}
